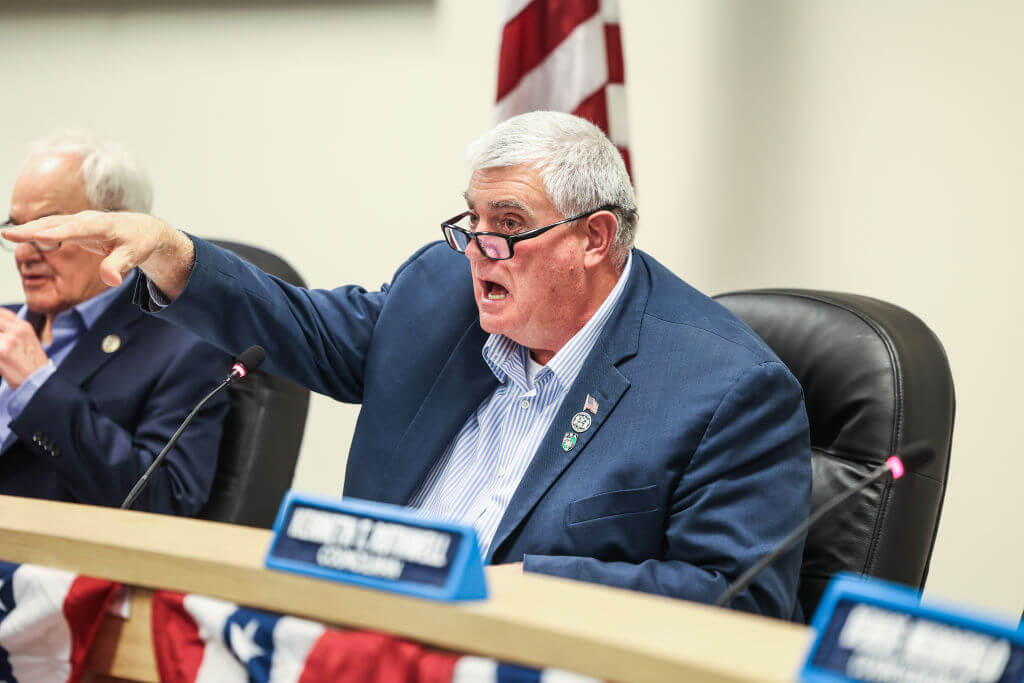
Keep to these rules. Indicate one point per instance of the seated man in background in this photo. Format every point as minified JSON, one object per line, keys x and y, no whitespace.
{"x":92,"y":388}
{"x":590,"y":414}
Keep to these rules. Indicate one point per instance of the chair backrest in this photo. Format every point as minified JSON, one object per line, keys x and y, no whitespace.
{"x":875,"y":379}
{"x":262,"y":432}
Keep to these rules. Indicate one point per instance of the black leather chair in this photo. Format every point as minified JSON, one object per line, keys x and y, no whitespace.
{"x":262,"y":432}
{"x":875,"y":378}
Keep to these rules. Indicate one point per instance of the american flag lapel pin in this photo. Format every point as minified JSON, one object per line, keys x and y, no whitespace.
{"x":590,"y":404}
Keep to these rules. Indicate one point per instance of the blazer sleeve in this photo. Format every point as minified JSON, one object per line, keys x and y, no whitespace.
{"x":746,"y":488}
{"x":315,"y":337}
{"x":98,"y":460}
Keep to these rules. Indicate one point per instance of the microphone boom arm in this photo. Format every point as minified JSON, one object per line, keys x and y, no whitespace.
{"x":144,"y":479}
{"x":912,"y":456}
{"x":248,"y":360}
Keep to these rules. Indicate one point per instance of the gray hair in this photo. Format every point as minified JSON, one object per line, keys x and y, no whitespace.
{"x":580,"y":167}
{"x":113,"y":179}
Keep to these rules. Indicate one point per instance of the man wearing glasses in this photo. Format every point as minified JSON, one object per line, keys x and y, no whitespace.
{"x":591,"y":415}
{"x":93,"y":388}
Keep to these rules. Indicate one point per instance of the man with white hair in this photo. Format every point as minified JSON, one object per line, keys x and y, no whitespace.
{"x":92,"y":388}
{"x":534,"y":376}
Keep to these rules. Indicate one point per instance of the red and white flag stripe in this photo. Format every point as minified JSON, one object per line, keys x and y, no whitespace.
{"x":564,"y":55}
{"x":48,"y":620}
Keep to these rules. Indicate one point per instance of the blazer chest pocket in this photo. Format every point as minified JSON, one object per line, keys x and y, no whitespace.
{"x":613,"y":504}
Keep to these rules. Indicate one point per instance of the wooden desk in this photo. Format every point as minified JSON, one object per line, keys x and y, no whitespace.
{"x":530,"y":619}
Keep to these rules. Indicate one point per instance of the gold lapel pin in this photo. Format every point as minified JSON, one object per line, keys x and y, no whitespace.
{"x":110,"y":343}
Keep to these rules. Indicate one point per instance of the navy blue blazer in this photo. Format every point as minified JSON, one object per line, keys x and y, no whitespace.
{"x":101,"y":418}
{"x":697,"y":461}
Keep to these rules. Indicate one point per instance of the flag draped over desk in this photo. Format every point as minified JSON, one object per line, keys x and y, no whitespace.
{"x":198,"y":639}
{"x":48,"y":619}
{"x":564,"y":55}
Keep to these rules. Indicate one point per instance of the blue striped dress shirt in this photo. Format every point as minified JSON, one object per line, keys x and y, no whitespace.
{"x":473,"y":482}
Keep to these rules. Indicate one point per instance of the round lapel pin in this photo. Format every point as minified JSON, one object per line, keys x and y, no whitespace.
{"x":581,"y":422}
{"x":110,"y":343}
{"x":568,"y":442}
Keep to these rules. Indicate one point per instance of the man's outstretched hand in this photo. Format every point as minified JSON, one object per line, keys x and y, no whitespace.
{"x":126,"y":240}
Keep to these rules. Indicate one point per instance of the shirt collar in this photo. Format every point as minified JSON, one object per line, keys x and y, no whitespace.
{"x":86,"y":312}
{"x":507,"y":359}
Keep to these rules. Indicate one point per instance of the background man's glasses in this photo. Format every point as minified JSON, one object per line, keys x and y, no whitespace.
{"x":495,"y":245}
{"x":11,"y":246}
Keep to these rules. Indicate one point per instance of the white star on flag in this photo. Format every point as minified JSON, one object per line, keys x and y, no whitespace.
{"x":243,"y":641}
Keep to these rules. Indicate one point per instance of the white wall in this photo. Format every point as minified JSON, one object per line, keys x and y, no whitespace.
{"x":869,"y":146}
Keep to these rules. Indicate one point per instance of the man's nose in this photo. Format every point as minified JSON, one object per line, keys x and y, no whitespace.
{"x":27,"y":252}
{"x":473,"y":251}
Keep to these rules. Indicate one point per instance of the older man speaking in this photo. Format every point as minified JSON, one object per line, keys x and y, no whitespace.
{"x":535,"y":376}
{"x":93,"y":388}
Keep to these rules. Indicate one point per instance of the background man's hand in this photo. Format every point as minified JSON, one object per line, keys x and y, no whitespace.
{"x":125,"y":239}
{"x":21,"y":354}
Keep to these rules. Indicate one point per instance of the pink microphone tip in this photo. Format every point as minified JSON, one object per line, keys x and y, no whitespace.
{"x":240,"y":369}
{"x":895,"y":466}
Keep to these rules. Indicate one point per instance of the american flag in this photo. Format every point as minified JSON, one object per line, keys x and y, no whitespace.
{"x":48,"y":620}
{"x":564,"y":55}
{"x":198,"y":639}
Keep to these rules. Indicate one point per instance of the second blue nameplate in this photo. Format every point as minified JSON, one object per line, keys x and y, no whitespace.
{"x":381,"y":546}
{"x":871,"y":630}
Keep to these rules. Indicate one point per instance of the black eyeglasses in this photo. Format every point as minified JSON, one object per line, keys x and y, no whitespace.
{"x":11,"y":246}
{"x":495,"y":245}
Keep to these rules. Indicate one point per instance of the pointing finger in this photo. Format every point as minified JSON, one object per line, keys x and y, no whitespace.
{"x":81,"y":227}
{"x":36,"y":230}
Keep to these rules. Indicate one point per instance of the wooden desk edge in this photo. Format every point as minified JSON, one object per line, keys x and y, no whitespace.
{"x":614,"y":634}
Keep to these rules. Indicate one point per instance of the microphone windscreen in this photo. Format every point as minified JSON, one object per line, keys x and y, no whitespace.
{"x":252,"y":357}
{"x":915,"y":455}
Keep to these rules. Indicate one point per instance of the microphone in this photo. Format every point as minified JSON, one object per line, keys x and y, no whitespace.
{"x":912,"y":457}
{"x":248,"y":360}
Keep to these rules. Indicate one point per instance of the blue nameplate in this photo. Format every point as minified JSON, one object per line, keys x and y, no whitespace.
{"x":873,"y":630}
{"x":376,"y":545}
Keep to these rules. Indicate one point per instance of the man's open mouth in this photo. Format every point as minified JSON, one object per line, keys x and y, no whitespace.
{"x":494,"y":292}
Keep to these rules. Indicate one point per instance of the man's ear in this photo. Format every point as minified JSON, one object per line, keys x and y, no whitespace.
{"x":599,"y":231}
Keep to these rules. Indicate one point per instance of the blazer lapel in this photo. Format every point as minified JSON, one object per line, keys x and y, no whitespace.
{"x":89,"y":353}
{"x":600,"y":379}
{"x":464,"y":382}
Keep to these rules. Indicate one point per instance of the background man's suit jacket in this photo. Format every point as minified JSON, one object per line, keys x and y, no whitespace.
{"x":95,"y":425}
{"x":697,"y":462}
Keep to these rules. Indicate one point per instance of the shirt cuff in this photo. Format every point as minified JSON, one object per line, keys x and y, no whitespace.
{"x":157,"y":298}
{"x":27,"y":389}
